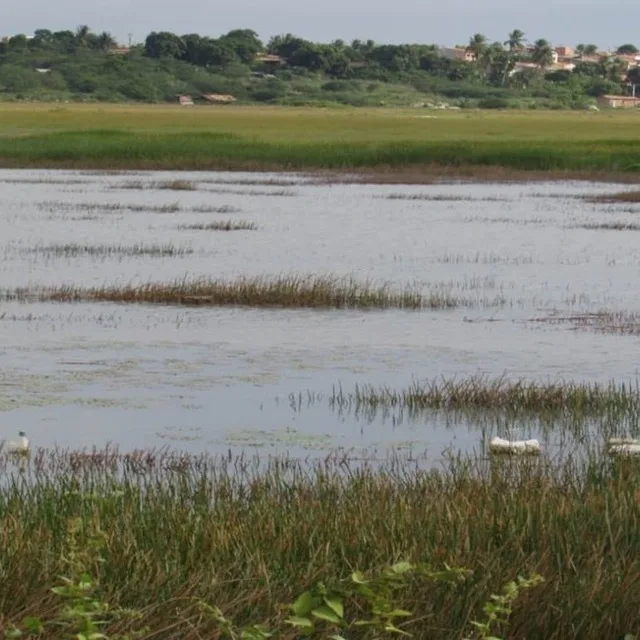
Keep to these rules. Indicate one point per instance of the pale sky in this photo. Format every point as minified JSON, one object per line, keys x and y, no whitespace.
{"x":563,"y":22}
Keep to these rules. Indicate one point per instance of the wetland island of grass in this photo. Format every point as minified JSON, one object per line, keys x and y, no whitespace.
{"x":401,"y":398}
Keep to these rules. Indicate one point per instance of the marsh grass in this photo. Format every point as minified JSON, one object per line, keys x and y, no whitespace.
{"x":248,"y":535}
{"x":498,"y":394}
{"x":440,"y":197}
{"x":322,"y":292}
{"x":226,"y":225}
{"x":72,"y":250}
{"x":188,"y":150}
{"x":608,"y":226}
{"x":620,"y":196}
{"x":177,"y":185}
{"x":108,"y":207}
{"x":167,"y":185}
{"x":626,"y":323}
{"x":482,"y":258}
{"x":276,"y":193}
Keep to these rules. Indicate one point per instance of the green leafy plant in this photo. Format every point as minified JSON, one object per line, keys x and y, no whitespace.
{"x":499,"y":607}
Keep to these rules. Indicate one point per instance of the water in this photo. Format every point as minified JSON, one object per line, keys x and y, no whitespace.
{"x":205,"y":379}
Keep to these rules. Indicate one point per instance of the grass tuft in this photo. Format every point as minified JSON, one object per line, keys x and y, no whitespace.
{"x":227,"y":225}
{"x":72,"y":250}
{"x":325,"y":292}
{"x":501,"y":394}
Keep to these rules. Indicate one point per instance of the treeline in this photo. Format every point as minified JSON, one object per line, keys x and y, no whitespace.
{"x":83,"y":65}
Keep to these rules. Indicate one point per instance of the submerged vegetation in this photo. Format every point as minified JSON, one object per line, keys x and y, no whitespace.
{"x":285,"y":291}
{"x":423,"y":551}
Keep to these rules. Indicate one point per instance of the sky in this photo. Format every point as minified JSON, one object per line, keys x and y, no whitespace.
{"x":563,"y":22}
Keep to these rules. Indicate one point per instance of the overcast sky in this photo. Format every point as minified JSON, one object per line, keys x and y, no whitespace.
{"x":427,"y":21}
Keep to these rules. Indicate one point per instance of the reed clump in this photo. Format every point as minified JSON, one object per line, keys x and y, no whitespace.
{"x":241,"y":538}
{"x":226,"y":225}
{"x":499,"y":394}
{"x":109,"y":207}
{"x":324,"y":292}
{"x":609,"y":226}
{"x":73,"y":250}
{"x":620,"y":196}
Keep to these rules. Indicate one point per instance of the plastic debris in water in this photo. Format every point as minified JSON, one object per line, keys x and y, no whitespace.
{"x":500,"y":445}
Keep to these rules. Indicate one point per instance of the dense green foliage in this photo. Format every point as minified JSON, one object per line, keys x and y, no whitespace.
{"x":83,"y":66}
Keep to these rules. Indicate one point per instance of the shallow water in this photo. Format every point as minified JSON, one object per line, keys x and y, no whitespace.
{"x":212,"y":379}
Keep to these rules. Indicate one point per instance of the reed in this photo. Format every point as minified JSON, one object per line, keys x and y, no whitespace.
{"x":608,"y":226}
{"x":242,"y":537}
{"x":620,"y":196}
{"x":227,"y":225}
{"x":72,"y":250}
{"x":503,"y":394}
{"x":326,"y":292}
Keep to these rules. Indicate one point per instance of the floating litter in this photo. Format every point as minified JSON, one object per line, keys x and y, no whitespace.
{"x":500,"y":445}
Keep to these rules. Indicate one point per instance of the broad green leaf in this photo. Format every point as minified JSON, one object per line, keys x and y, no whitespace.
{"x":358,"y":577}
{"x":304,"y":604}
{"x":325,"y":613}
{"x":297,"y":621}
{"x":337,"y":637}
{"x":13,"y":633}
{"x":33,"y":625}
{"x":335,"y":604}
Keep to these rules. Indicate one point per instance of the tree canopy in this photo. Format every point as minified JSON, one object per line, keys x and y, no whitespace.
{"x":83,"y":65}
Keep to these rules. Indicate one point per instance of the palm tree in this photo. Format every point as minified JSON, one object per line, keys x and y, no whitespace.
{"x":542,"y":53}
{"x":515,"y":41}
{"x":478,"y":45}
{"x":105,"y":41}
{"x":82,"y":35}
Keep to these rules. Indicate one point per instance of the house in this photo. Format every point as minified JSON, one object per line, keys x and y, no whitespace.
{"x":119,"y":51}
{"x":218,"y":98}
{"x":185,"y":101}
{"x":458,"y":53}
{"x":618,"y":102}
{"x":565,"y":52}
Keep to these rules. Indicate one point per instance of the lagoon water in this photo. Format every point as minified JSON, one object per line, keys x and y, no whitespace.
{"x":214,"y":379}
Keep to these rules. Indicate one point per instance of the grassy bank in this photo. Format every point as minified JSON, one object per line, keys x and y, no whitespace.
{"x":247,"y":539}
{"x":305,"y":139}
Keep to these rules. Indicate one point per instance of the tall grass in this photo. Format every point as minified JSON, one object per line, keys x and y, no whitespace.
{"x":248,"y":536}
{"x":326,"y":292}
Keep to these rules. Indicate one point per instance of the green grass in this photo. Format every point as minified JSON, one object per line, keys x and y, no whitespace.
{"x":322,"y":292}
{"x":178,"y":533}
{"x":306,"y":139}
